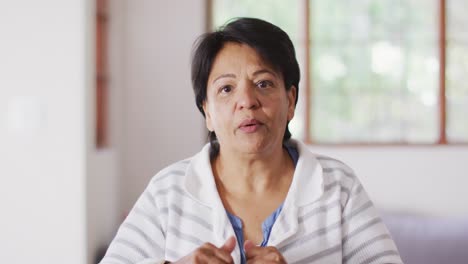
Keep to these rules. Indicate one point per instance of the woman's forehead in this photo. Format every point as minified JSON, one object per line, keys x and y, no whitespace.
{"x":235,"y":57}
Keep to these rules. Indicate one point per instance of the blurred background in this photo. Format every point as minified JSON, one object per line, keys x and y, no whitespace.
{"x":95,"y":98}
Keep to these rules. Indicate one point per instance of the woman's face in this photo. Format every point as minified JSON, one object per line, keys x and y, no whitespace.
{"x":247,"y":105}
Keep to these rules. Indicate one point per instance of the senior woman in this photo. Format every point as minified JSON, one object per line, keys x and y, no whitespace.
{"x":252,"y":194}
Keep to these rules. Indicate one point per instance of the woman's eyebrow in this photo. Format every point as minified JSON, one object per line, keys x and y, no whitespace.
{"x":264,"y":71}
{"x":226,"y":75}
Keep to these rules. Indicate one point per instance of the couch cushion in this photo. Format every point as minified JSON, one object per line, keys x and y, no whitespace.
{"x":429,"y":240}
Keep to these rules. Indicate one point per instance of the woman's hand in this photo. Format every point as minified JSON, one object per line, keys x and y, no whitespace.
{"x":262,"y":255}
{"x":208,"y":253}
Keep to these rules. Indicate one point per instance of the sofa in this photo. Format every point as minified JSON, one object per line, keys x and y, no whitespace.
{"x":423,"y":239}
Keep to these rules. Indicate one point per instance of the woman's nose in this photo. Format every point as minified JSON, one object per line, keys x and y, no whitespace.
{"x":247,"y":97}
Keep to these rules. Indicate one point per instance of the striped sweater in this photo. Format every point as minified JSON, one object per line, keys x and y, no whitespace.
{"x":327,"y":216}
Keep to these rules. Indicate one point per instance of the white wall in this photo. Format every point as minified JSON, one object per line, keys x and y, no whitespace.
{"x":60,"y":197}
{"x":44,"y":77}
{"x":161,"y":122}
{"x":101,"y":199}
{"x":424,"y":179}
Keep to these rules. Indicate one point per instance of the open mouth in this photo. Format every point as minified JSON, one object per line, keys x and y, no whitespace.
{"x":250,"y":125}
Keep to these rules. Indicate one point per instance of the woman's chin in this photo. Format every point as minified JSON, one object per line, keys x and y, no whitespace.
{"x":253,"y":146}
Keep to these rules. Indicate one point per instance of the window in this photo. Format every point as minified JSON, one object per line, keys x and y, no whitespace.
{"x":371,"y":69}
{"x":457,"y":71}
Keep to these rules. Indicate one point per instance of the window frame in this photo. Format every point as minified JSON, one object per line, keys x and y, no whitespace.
{"x":308,"y":89}
{"x":101,"y":81}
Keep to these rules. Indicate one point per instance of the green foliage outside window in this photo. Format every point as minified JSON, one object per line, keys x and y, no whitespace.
{"x":374,"y":66}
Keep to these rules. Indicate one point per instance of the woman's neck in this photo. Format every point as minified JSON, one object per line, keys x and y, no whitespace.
{"x":241,"y":174}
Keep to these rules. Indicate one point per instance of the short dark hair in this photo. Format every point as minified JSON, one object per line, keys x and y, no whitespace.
{"x":271,"y":43}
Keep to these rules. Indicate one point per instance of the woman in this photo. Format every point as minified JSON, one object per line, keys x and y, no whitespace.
{"x":252,"y":195}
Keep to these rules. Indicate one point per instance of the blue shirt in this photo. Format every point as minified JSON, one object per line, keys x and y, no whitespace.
{"x":267,"y":225}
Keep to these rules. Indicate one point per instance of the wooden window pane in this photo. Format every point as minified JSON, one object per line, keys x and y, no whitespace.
{"x":374,"y":66}
{"x":374,"y":71}
{"x":457,"y":71}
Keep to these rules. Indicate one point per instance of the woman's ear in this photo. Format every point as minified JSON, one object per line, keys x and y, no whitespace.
{"x":292,"y":95}
{"x":208,"y":121}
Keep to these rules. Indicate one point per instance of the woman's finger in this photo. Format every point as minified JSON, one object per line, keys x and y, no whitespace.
{"x":248,"y":245}
{"x":229,"y":245}
{"x":209,"y":253}
{"x":255,"y":254}
{"x":224,"y":252}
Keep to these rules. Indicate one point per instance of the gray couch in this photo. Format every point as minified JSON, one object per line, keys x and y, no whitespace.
{"x":429,"y":240}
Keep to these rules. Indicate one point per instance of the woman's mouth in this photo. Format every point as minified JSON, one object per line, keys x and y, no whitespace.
{"x":250,"y":125}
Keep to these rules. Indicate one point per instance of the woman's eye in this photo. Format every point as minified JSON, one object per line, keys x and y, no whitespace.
{"x":226,"y":89}
{"x":264,"y":84}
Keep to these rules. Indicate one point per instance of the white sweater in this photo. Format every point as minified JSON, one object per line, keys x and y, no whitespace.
{"x":327,"y":216}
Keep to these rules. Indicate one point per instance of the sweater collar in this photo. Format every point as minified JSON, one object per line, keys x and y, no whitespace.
{"x":307,"y":184}
{"x":306,"y":187}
